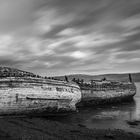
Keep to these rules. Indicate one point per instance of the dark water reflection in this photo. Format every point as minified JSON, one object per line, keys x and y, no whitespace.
{"x":113,"y":116}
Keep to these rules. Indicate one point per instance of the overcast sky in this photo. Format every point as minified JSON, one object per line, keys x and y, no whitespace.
{"x":57,"y":37}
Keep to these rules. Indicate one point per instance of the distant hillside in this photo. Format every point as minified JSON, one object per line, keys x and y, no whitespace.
{"x":118,"y":77}
{"x":11,"y":72}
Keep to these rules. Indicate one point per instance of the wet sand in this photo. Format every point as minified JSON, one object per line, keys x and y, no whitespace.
{"x":25,"y":128}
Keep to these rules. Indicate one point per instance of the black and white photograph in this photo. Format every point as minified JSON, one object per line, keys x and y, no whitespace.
{"x":69,"y":69}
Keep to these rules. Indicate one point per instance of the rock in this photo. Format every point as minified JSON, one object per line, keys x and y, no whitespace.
{"x":132,"y":122}
{"x":81,"y":125}
{"x":109,"y":135}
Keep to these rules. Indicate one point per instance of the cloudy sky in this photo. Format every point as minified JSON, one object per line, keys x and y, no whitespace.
{"x":57,"y":37}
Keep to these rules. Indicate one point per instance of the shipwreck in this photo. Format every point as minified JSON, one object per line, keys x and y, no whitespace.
{"x":98,"y":92}
{"x":25,"y":93}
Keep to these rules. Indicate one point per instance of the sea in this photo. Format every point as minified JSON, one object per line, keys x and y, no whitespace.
{"x":116,"y":116}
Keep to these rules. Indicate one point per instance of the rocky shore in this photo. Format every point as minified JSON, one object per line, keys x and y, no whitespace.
{"x":24,"y":128}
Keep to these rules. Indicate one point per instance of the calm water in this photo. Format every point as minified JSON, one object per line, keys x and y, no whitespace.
{"x":114,"y":116}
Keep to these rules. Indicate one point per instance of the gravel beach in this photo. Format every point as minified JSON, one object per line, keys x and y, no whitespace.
{"x":23,"y":128}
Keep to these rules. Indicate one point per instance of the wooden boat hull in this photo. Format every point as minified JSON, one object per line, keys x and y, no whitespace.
{"x":96,"y":96}
{"x":35,"y":96}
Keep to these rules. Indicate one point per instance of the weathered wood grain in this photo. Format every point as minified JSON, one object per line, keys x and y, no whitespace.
{"x":15,"y":94}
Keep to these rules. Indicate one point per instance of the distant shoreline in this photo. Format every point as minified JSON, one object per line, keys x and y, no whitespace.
{"x":115,"y":77}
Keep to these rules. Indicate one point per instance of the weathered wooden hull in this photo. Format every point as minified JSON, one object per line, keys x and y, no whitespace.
{"x":33,"y":96}
{"x":94,"y":96}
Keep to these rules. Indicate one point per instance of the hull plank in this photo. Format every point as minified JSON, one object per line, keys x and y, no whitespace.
{"x":106,"y":95}
{"x":24,"y":96}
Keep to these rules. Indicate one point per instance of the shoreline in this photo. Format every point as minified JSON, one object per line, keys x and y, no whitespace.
{"x":17,"y":128}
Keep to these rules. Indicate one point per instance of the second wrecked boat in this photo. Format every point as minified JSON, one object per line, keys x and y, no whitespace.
{"x":106,"y":92}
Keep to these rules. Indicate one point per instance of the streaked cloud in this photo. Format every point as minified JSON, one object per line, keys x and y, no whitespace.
{"x":57,"y":37}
